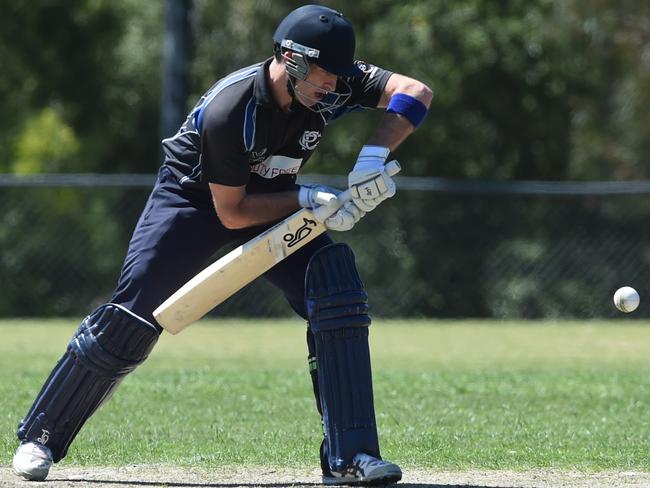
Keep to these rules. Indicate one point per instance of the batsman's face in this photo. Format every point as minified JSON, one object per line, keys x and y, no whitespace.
{"x":318,"y":83}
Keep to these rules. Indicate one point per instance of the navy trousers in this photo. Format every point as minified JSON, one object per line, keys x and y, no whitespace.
{"x":175,"y":237}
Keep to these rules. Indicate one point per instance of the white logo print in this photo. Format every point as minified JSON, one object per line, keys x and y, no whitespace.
{"x":45,"y":436}
{"x":367,"y":68}
{"x":309,"y":140}
{"x":277,"y":165}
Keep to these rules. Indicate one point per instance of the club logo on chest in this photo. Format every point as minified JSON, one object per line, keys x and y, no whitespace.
{"x":309,"y":140}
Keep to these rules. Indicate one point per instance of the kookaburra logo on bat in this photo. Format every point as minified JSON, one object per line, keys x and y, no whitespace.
{"x":301,"y":232}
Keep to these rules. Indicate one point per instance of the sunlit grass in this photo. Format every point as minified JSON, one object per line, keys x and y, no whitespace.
{"x":449,"y":395}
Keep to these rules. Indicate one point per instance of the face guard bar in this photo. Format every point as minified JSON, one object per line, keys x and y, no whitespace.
{"x":298,"y":67}
{"x":330,"y":101}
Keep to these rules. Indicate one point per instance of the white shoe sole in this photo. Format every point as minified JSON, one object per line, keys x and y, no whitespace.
{"x":31,"y":462}
{"x":32,"y":475}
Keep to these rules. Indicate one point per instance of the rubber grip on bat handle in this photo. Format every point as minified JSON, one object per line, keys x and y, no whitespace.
{"x":325,"y":211}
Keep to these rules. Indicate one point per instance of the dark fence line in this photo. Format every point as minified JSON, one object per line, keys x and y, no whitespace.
{"x":440,"y":248}
{"x":411,"y":183}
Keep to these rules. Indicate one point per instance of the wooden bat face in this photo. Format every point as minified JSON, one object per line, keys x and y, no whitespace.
{"x":235,"y":270}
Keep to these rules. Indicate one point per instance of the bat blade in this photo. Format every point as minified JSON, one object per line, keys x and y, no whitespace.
{"x":232,"y":272}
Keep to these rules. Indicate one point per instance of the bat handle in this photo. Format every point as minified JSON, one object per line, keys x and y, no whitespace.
{"x":325,"y":211}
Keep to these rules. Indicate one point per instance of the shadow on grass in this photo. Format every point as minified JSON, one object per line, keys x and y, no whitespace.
{"x":237,"y":485}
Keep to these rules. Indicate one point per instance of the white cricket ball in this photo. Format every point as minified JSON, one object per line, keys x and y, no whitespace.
{"x":626,"y":299}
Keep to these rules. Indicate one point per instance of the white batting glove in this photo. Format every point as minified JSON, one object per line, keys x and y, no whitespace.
{"x":369,"y":182}
{"x":345,"y":217}
{"x":312,"y":196}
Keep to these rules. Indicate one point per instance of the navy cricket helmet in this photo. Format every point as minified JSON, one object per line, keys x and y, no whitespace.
{"x":322,"y":35}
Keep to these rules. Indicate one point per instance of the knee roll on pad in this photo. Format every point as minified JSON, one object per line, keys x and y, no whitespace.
{"x":337,"y":307}
{"x":110,"y":343}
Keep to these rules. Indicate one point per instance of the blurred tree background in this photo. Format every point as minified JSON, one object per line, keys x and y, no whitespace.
{"x":523,"y":89}
{"x":534,"y":89}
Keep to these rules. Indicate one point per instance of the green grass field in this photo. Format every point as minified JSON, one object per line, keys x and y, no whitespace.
{"x":449,"y":395}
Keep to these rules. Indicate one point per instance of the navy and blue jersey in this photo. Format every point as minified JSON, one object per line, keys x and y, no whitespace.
{"x":237,"y":134}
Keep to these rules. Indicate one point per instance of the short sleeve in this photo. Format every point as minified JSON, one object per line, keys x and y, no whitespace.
{"x":223,"y":158}
{"x":367,"y":89}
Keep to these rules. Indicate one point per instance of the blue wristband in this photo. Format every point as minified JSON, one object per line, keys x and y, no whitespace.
{"x":411,"y":108}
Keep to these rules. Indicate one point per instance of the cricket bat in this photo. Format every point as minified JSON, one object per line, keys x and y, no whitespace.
{"x":242,"y":265}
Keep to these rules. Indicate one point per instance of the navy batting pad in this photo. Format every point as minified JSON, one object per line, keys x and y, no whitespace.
{"x":110,"y":343}
{"x":337,"y":307}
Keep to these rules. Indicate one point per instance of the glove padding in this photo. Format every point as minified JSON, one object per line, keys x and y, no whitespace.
{"x":339,"y":219}
{"x":345,"y":217}
{"x":312,"y":196}
{"x":369,"y":182}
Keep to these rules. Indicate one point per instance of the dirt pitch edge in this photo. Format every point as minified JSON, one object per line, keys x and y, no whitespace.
{"x":167,"y":476}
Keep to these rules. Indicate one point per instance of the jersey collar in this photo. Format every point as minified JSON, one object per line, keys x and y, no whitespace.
{"x":263,"y":93}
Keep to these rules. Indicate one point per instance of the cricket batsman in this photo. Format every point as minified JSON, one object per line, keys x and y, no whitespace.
{"x":228,"y":174}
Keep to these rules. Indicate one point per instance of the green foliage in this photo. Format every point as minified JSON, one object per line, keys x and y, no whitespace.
{"x":541,"y":89}
{"x":522,"y":90}
{"x":610,"y":129}
{"x":98,"y":61}
{"x":46,"y":145}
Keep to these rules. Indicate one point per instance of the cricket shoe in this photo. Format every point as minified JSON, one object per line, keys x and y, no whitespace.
{"x":365,"y":470}
{"x":32,"y":461}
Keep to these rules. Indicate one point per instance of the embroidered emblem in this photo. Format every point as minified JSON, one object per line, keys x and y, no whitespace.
{"x":309,"y":140}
